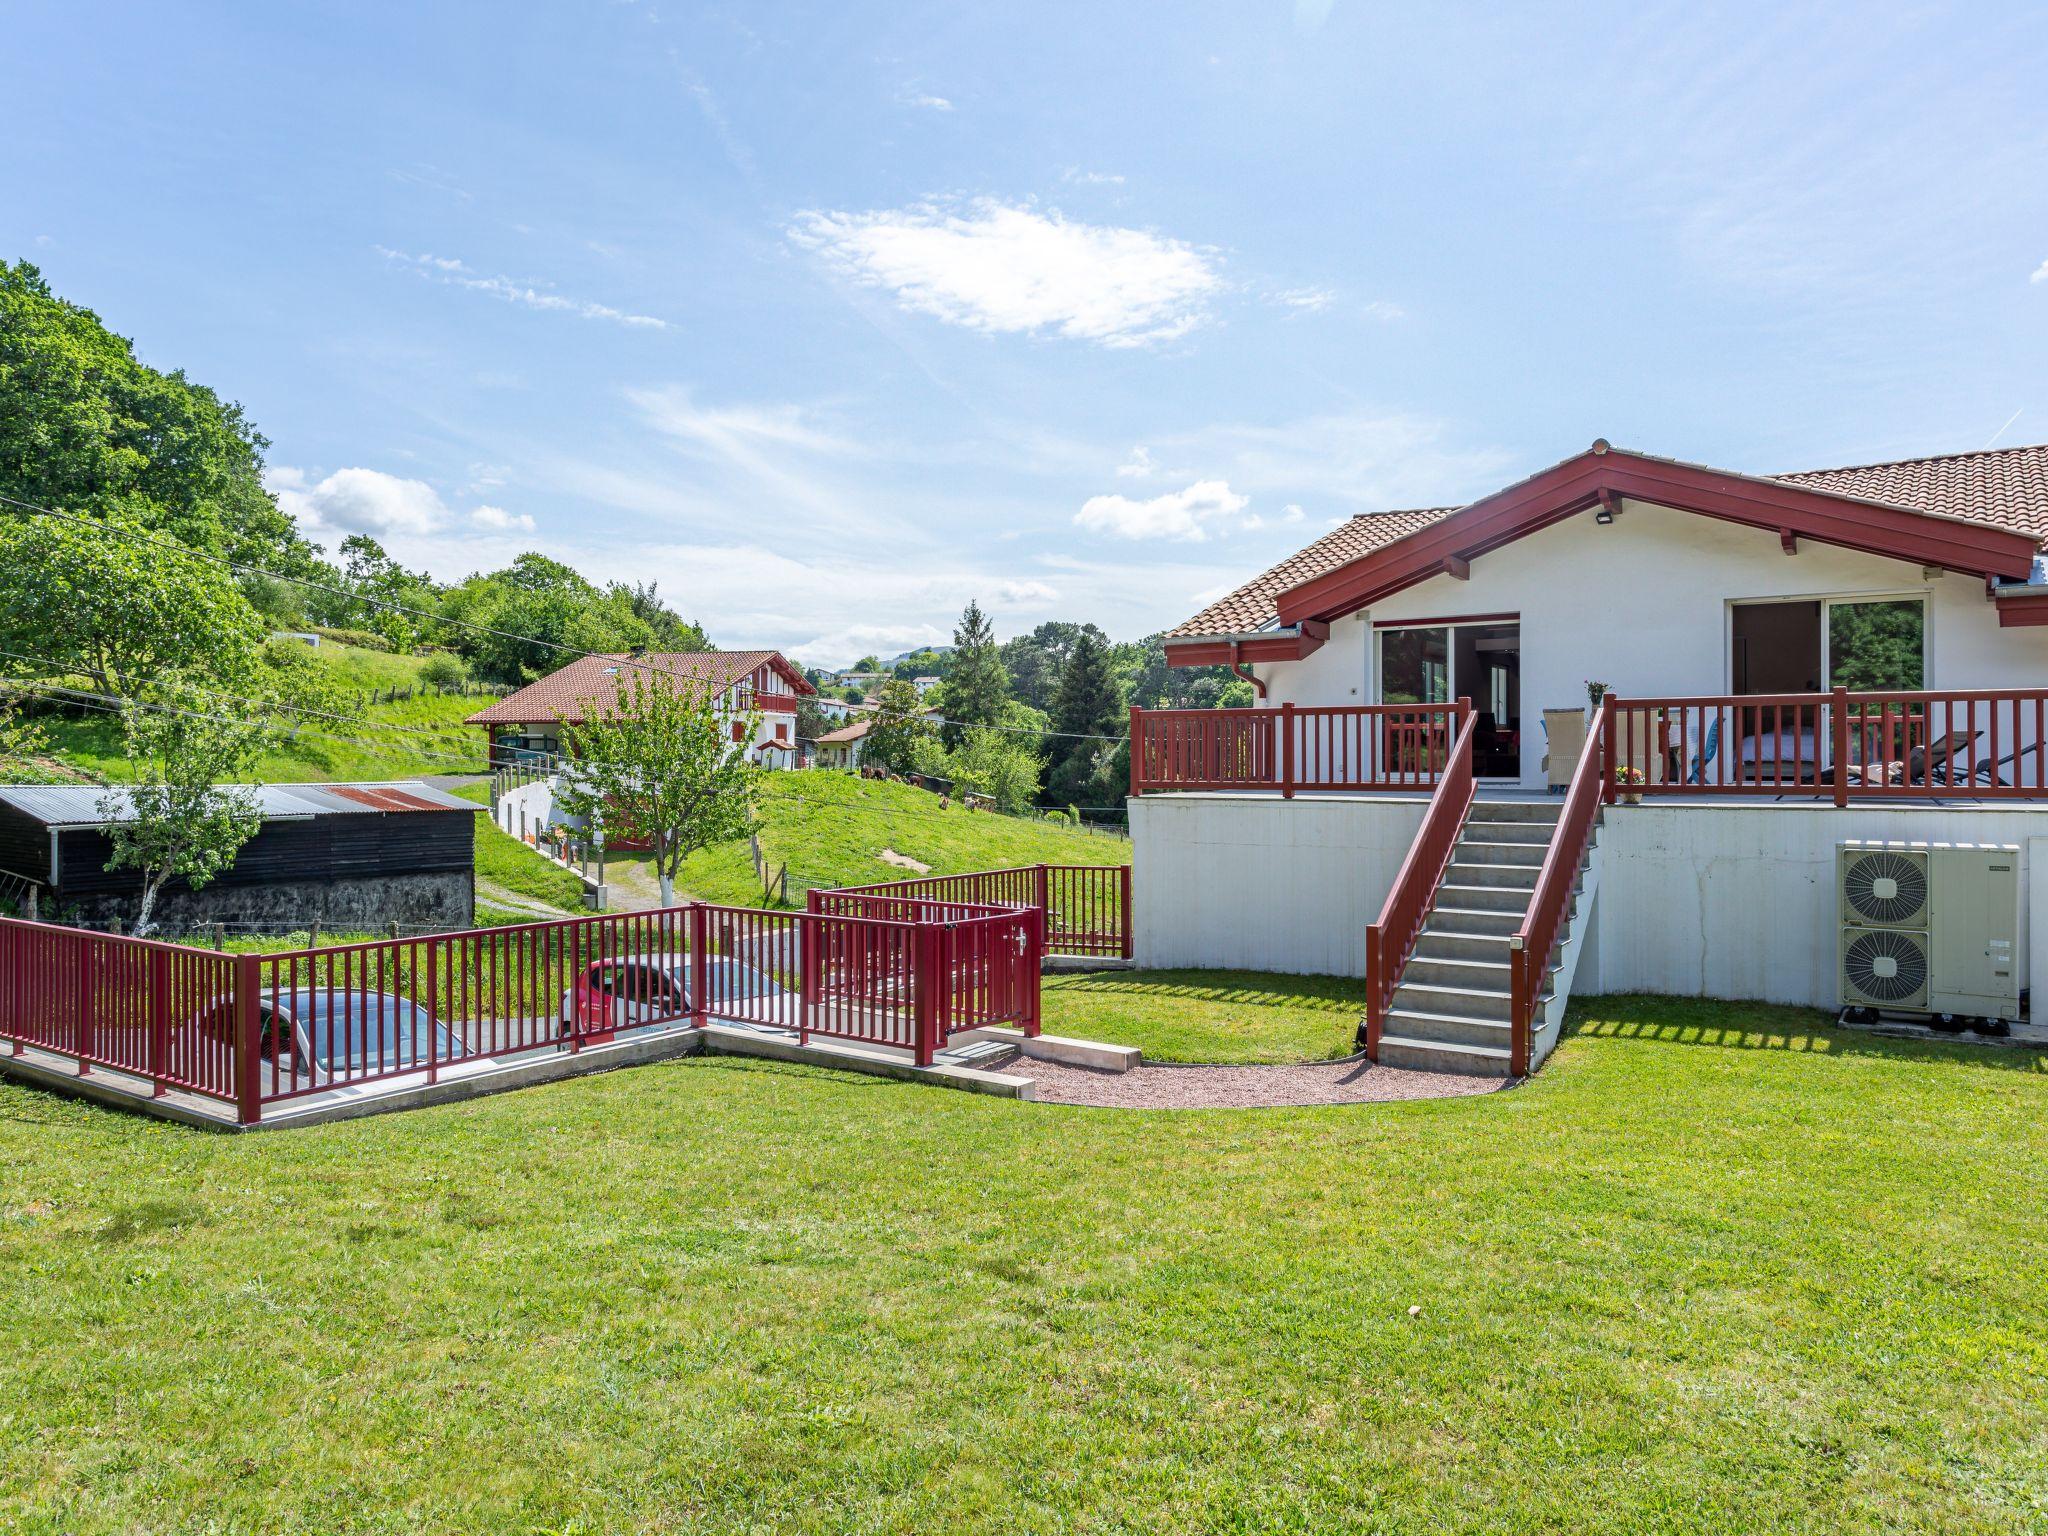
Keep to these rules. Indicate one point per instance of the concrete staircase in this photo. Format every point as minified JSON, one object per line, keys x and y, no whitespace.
{"x":1450,"y":1012}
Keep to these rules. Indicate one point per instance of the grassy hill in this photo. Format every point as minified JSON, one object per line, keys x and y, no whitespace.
{"x":831,"y":829}
{"x":394,"y":740}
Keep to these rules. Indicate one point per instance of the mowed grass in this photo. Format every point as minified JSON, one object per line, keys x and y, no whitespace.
{"x":1212,"y":1016}
{"x":1716,"y":1269}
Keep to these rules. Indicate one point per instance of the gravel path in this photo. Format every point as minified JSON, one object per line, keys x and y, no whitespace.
{"x":1355,"y":1081}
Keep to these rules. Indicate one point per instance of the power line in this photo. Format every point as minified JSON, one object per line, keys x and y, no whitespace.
{"x":245,"y":568}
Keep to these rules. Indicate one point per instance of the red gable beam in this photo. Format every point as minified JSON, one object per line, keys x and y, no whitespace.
{"x":2024,"y":612}
{"x":1573,"y":486}
{"x":1201,"y":651}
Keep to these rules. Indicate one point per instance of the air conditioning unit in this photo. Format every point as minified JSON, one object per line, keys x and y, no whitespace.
{"x":1930,"y":928}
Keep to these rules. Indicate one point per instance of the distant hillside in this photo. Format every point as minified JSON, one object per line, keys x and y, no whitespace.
{"x":395,"y":739}
{"x":832,"y":829}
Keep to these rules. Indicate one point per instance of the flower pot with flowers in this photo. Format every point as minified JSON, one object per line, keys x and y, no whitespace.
{"x":1631,"y":782}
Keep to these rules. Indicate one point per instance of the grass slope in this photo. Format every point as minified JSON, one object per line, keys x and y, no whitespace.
{"x":832,"y":828}
{"x":1212,"y":1016}
{"x":505,"y":862}
{"x":433,"y":738}
{"x":1716,"y":1269}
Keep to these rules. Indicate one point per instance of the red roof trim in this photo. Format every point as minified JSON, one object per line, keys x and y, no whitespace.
{"x":1305,"y":641}
{"x":2023,"y":611}
{"x":1576,"y":484}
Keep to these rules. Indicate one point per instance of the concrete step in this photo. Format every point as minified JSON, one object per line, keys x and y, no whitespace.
{"x":1464,"y":871}
{"x":1459,"y":1002}
{"x":1544,"y":811}
{"x":1453,"y":941}
{"x":1538,"y":832}
{"x":1452,"y":918}
{"x":1427,"y":1056}
{"x":1467,"y":897}
{"x":1477,"y":850}
{"x":1467,"y":974}
{"x":1446,"y":1028}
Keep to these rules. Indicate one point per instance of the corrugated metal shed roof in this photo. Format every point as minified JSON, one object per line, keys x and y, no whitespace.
{"x":78,"y":805}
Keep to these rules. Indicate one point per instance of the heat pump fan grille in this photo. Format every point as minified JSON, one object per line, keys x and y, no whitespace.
{"x":1886,"y":967}
{"x":1885,"y":887}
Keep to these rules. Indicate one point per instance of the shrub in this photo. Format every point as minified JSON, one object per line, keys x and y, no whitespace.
{"x":444,"y":669}
{"x":357,"y":637}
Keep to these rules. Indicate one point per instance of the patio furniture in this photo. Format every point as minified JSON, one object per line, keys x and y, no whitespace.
{"x":1709,"y":750}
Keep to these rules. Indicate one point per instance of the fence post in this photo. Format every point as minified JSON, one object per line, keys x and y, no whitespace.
{"x":1375,"y":1009}
{"x":930,"y":941}
{"x":700,"y":964}
{"x":1124,"y":906}
{"x":159,"y":1018}
{"x":1034,"y":957}
{"x":433,"y":1011}
{"x":1841,"y":723}
{"x":1137,"y":750}
{"x":248,"y":1048}
{"x":1604,"y":724}
{"x":1521,"y":1006}
{"x":1287,"y":750}
{"x":807,"y":967}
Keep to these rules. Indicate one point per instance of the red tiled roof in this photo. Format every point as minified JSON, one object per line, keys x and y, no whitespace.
{"x":845,"y":733}
{"x":2005,"y":488}
{"x":1252,"y":606}
{"x":561,"y":694}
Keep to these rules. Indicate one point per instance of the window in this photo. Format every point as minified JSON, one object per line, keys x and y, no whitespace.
{"x":1877,"y":644}
{"x":1808,"y":645}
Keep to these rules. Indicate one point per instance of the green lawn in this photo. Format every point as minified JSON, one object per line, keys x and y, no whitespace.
{"x":1209,"y":1015}
{"x":831,"y":829}
{"x":1716,"y":1269}
{"x":432,"y":739}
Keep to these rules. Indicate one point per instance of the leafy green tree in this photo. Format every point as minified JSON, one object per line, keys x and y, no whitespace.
{"x":868,"y":664}
{"x":1035,"y":661}
{"x":991,"y":763}
{"x":1088,"y":706}
{"x":180,"y":818}
{"x":667,"y":629}
{"x":976,"y":690}
{"x":85,"y":425}
{"x":658,"y":765}
{"x":896,"y":728}
{"x":22,"y":743}
{"x":388,"y":599}
{"x":1150,"y":683}
{"x":119,"y":611}
{"x":544,"y":614}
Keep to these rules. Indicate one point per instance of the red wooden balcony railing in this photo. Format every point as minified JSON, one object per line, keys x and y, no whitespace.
{"x":1556,"y":882}
{"x":1987,"y":743}
{"x":1388,"y":941}
{"x":1291,"y":748}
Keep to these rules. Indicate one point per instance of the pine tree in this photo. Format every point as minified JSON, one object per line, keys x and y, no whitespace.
{"x":1087,"y":706}
{"x":977,"y":688}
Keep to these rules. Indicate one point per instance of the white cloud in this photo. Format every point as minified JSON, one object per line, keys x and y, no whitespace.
{"x":456,"y":273}
{"x":928,"y":102}
{"x":1025,"y":594}
{"x":1188,"y":515}
{"x":501,"y":520}
{"x":1138,"y":465}
{"x":1307,"y":300}
{"x":1292,"y":513}
{"x":1081,"y":178}
{"x":1384,"y":309}
{"x":2040,"y":274}
{"x":387,"y":507}
{"x":998,"y":267}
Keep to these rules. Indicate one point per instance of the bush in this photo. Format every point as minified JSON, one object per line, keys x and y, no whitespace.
{"x":444,"y":669}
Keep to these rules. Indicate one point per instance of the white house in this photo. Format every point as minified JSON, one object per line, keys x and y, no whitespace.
{"x":525,"y":726}
{"x":1791,"y":662}
{"x":842,"y":749}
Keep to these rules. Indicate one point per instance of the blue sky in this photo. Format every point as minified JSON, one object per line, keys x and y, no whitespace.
{"x":828,"y":318}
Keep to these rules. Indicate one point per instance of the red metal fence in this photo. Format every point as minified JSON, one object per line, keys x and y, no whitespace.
{"x":1989,"y":743}
{"x":256,"y":1030}
{"x":1086,"y":907}
{"x":1290,"y":749}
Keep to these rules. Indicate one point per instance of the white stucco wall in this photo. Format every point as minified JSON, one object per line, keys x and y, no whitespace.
{"x":1695,"y":900}
{"x":1643,"y":605}
{"x":1257,"y":883}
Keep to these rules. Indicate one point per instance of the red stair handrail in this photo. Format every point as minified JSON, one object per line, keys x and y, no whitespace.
{"x":1529,"y":956}
{"x":1388,"y":941}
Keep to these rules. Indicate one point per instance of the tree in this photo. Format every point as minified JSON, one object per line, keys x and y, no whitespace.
{"x":658,"y":765}
{"x":176,"y":820}
{"x":668,"y":630}
{"x":895,"y":729}
{"x":118,"y":610}
{"x":537,"y":614}
{"x":1035,"y":661}
{"x":22,"y":743}
{"x":389,"y":599}
{"x":976,"y":690}
{"x":1087,"y":707}
{"x":85,"y":425}
{"x":1152,"y":684}
{"x":998,"y":765}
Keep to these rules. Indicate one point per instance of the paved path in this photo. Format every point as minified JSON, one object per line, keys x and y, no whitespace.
{"x":1352,"y":1081}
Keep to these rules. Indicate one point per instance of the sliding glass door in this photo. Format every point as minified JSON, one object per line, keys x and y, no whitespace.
{"x":1480,"y":660}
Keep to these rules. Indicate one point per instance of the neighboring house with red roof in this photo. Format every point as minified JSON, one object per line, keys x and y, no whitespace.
{"x":841,"y":749}
{"x":1798,"y":659}
{"x":526,"y":725}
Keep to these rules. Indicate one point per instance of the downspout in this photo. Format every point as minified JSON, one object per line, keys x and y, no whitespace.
{"x":1238,"y":668}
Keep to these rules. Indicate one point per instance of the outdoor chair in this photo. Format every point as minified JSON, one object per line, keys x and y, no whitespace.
{"x":1710,"y":748}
